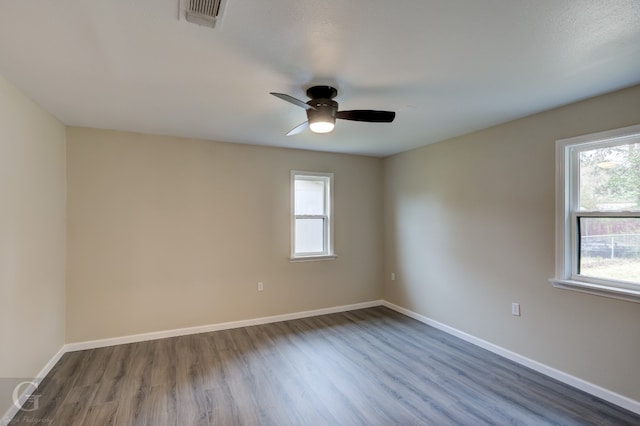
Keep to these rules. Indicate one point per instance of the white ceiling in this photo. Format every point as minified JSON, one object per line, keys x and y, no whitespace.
{"x":447,"y":67}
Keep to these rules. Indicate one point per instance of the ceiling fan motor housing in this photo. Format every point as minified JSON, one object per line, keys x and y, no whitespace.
{"x":322,"y":92}
{"x":324,"y":107}
{"x":323,"y":110}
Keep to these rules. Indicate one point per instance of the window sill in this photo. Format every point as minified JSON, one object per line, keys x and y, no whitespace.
{"x":312,"y":258}
{"x":598,"y":290}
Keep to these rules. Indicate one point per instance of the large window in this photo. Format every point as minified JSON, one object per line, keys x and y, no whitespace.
{"x":311,"y":219}
{"x":598,"y":213}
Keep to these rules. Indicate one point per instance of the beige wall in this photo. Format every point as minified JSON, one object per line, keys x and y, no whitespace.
{"x":470,"y":229}
{"x":167,"y":233}
{"x":32,"y":236}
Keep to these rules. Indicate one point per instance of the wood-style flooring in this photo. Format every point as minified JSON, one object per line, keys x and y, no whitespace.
{"x":366,"y":367}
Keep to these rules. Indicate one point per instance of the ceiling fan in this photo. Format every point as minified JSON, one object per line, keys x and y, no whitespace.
{"x":322,"y":111}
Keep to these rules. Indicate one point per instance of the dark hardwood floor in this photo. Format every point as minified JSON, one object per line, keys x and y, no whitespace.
{"x":366,"y":367}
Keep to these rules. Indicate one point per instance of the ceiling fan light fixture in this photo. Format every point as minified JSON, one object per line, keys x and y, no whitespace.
{"x":322,"y":126}
{"x":322,"y":111}
{"x":322,"y":118}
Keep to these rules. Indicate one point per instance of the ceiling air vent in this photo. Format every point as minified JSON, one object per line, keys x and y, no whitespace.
{"x":203,"y":12}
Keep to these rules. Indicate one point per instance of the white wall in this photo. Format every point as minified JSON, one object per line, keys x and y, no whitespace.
{"x":32,"y":237}
{"x":469,"y":228}
{"x":167,"y":233}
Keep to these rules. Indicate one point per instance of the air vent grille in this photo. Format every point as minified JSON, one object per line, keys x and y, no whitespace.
{"x":203,"y":12}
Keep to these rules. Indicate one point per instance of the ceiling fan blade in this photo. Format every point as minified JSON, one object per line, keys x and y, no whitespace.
{"x":298,"y":129}
{"x":292,"y":100}
{"x":369,"y":115}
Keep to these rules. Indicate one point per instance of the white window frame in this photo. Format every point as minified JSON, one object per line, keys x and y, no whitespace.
{"x":328,"y":253}
{"x":567,"y":216}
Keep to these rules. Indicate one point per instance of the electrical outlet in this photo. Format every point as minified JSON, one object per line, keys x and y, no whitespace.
{"x":393,"y":276}
{"x":260,"y":286}
{"x":515,"y":309}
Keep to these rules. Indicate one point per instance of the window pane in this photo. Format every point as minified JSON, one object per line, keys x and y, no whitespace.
{"x":309,"y":236}
{"x":610,"y":248}
{"x":610,"y":178}
{"x":309,"y":197}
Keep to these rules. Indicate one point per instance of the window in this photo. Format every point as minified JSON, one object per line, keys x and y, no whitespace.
{"x":311,"y":216}
{"x":598,"y":213}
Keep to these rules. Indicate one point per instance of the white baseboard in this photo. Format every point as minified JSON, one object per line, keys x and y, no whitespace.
{"x":583,"y":385}
{"x":576,"y":382}
{"x":28,"y":391}
{"x":92,"y":344}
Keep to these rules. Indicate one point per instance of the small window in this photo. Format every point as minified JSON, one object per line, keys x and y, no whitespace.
{"x":598,"y":213}
{"x":311,"y":221}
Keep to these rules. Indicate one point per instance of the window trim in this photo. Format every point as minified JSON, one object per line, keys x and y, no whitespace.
{"x":567,"y":179}
{"x":328,"y":253}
